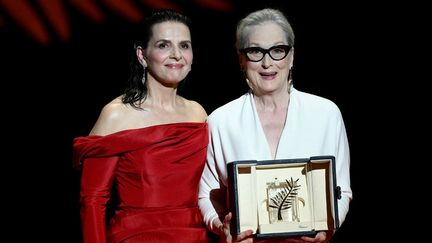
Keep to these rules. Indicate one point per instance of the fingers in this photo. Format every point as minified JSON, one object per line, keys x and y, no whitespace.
{"x":226,"y":224}
{"x":228,"y":218}
{"x":320,"y":237}
{"x":225,"y":228}
{"x":245,"y":235}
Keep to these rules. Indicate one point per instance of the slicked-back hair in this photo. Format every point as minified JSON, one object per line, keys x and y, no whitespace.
{"x":136,"y":91}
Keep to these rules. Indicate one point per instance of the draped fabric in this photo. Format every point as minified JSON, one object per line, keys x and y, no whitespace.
{"x":156,"y":171}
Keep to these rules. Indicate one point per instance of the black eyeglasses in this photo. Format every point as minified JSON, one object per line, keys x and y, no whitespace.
{"x":256,"y":54}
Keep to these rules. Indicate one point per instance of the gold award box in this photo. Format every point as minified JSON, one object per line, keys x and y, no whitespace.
{"x":283,"y":198}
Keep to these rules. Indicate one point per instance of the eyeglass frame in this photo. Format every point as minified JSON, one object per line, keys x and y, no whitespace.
{"x":286,"y":48}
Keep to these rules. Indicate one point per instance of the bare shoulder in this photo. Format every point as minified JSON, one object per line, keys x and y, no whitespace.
{"x":198,"y":112}
{"x":109,"y":118}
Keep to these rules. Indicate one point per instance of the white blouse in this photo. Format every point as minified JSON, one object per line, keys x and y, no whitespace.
{"x":314,"y":127}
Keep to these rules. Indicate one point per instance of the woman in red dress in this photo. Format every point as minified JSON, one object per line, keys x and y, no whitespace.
{"x":149,"y":144}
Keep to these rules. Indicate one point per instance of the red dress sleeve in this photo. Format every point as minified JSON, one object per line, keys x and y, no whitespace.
{"x":96,"y":181}
{"x":145,"y":163}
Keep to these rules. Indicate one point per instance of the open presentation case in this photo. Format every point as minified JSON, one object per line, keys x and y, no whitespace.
{"x":283,"y":198}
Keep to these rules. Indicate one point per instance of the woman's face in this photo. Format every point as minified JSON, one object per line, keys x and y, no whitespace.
{"x":267,"y":76}
{"x":168,"y":56}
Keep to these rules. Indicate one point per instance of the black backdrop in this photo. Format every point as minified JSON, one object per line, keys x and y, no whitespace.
{"x":54,"y":92}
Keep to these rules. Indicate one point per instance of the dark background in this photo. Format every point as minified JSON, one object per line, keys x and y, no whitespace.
{"x":54,"y":91}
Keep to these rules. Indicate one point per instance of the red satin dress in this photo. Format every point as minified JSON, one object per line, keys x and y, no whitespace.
{"x":156,"y":171}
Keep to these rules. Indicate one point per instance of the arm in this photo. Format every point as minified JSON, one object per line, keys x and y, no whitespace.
{"x":343,"y":170}
{"x":342,"y":156}
{"x":96,"y":181}
{"x":213,"y":199}
{"x":97,"y":178}
{"x":211,"y":195}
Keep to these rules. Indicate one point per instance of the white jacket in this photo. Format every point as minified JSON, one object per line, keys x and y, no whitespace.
{"x":314,"y":127}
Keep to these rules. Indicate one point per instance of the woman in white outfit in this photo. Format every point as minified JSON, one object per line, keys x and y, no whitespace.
{"x":271,"y":121}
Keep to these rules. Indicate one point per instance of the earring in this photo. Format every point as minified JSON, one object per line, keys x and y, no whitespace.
{"x":143,"y":80}
{"x":248,"y":83}
{"x":290,"y":80}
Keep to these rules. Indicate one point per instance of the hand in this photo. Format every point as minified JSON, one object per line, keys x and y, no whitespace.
{"x":247,"y":236}
{"x":244,"y":237}
{"x":319,"y":237}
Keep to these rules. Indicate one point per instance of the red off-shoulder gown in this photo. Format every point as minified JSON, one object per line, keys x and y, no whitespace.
{"x":156,"y":171}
